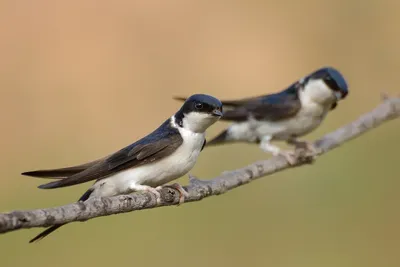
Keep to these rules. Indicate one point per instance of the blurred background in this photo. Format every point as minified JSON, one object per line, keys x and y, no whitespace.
{"x":81,"y":79}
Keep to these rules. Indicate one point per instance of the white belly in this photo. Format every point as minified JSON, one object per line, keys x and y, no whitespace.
{"x":283,"y":130}
{"x":303,"y":123}
{"x":158,"y":173}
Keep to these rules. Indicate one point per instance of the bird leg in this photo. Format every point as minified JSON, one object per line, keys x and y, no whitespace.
{"x":266,"y":146}
{"x":182,"y":192}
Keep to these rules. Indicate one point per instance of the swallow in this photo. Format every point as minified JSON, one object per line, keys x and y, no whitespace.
{"x":283,"y":116}
{"x":164,"y":155}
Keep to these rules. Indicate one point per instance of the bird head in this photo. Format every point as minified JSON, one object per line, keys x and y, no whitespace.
{"x":199,"y":112}
{"x":325,"y":85}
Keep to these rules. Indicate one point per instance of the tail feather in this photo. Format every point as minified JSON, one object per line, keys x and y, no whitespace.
{"x":60,"y":173}
{"x":45,"y":233}
{"x":51,"y":174}
{"x":179,"y":98}
{"x":229,"y":103}
{"x":51,"y":229}
{"x":51,"y":185}
{"x":219,"y":139}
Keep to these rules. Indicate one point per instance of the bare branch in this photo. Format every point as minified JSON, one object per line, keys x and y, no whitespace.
{"x":198,"y":189}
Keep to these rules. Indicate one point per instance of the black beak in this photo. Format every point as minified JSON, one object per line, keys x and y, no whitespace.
{"x":217,"y":113}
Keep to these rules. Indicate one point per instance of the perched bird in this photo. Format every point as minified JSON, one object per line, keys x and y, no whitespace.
{"x":287,"y":115}
{"x":162,"y":156}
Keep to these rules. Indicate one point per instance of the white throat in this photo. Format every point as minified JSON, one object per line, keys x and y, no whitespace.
{"x":197,"y":122}
{"x":318,"y":92}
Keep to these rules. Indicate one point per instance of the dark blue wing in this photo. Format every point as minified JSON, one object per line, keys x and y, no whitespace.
{"x":273,"y":107}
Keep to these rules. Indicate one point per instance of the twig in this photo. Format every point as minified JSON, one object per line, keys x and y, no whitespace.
{"x":197,"y":189}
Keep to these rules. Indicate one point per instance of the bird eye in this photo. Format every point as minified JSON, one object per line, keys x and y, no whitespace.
{"x":198,"y":105}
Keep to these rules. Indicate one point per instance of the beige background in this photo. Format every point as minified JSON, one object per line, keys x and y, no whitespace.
{"x":80,"y":79}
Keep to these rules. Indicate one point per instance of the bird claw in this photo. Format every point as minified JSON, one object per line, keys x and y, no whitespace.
{"x":295,"y":157}
{"x":310,"y":150}
{"x":290,"y":156}
{"x":309,"y":147}
{"x":182,"y":192}
{"x":156,"y":192}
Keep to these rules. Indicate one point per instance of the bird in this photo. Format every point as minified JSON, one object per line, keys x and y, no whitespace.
{"x":162,"y":156}
{"x":283,"y":116}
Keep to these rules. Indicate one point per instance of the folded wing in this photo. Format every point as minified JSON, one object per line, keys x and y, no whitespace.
{"x":159,"y":144}
{"x":273,"y":107}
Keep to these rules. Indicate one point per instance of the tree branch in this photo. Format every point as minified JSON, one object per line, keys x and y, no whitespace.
{"x":197,"y":189}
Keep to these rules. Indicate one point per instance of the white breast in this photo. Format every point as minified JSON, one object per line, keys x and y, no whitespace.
{"x":163,"y":171}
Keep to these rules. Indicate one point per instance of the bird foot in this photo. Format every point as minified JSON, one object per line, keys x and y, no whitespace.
{"x":290,"y":156}
{"x":297,"y":156}
{"x":307,"y":146}
{"x":181,"y":190}
{"x":305,"y":150}
{"x":156,"y":192}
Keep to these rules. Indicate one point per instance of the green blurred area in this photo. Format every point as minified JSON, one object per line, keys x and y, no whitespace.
{"x":80,"y":79}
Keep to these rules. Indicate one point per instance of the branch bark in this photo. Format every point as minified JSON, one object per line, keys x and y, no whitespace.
{"x":197,"y":189}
